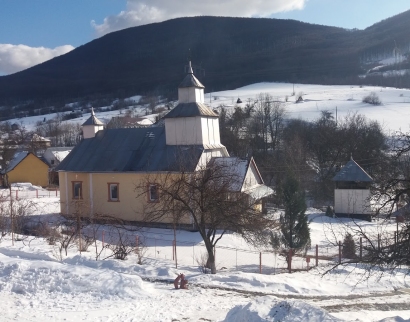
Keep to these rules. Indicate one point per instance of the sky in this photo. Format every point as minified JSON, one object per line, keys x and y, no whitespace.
{"x":34,"y":31}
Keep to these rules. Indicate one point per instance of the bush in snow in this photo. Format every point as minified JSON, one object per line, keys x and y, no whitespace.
{"x":372,"y":98}
{"x":349,"y":247}
{"x":329,"y":212}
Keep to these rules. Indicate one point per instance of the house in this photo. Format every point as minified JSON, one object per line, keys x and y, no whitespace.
{"x":352,"y":192}
{"x":53,"y":156}
{"x":128,"y":122}
{"x":102,"y":171}
{"x":26,"y":167}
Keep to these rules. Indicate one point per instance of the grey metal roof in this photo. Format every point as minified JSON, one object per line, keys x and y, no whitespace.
{"x":129,"y":150}
{"x":352,"y":172}
{"x":92,"y":120}
{"x":190,"y":81}
{"x":190,"y":110}
{"x":18,"y":157}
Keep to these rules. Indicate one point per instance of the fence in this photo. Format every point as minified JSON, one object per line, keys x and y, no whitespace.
{"x":25,"y":194}
{"x":185,"y":253}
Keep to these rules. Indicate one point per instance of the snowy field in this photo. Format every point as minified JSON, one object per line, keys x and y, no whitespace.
{"x":36,"y":286}
{"x":393,"y":114}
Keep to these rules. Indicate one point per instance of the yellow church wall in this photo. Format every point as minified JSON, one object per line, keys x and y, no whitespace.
{"x":30,"y":169}
{"x":95,"y":200}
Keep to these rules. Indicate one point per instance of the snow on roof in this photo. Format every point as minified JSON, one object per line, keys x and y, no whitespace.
{"x":237,"y":168}
{"x":18,"y":157}
{"x":352,"y":172}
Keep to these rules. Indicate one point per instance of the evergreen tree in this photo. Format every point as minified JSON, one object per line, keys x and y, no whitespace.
{"x":349,"y":247}
{"x":294,"y":225}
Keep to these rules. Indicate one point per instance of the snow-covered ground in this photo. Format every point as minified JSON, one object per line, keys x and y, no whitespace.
{"x":393,"y":114}
{"x":36,"y":286}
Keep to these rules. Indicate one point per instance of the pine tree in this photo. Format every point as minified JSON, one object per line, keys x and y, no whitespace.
{"x":294,"y":225}
{"x":349,"y":247}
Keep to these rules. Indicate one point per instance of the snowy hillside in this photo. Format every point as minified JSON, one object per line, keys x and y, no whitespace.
{"x":393,"y":114}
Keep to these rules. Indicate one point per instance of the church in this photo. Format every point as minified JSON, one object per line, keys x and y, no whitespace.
{"x":102,"y":171}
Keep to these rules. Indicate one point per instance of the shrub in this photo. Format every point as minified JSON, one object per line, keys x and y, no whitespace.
{"x":372,"y":98}
{"x":349,"y":247}
{"x":329,"y":212}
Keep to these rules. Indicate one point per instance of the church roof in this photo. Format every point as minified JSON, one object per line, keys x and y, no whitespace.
{"x":190,"y":110}
{"x":130,"y":150}
{"x":352,"y":172}
{"x":92,"y":120}
{"x":190,"y":80}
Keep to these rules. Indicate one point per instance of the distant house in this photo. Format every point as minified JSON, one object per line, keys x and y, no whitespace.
{"x":53,"y":156}
{"x":128,"y":122}
{"x":352,"y":192}
{"x":26,"y":167}
{"x":103,"y":169}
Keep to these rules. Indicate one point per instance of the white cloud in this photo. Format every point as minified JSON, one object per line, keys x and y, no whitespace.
{"x":14,"y":58}
{"x":140,"y":12}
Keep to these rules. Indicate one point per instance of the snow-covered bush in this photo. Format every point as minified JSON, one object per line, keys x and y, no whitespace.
{"x":372,"y":98}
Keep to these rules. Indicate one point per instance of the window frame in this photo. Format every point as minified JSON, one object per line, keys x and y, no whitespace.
{"x":149,"y":194}
{"x":74,"y":196}
{"x":117,"y":184}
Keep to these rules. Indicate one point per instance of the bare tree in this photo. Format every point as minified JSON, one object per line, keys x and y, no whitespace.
{"x":210,"y":198}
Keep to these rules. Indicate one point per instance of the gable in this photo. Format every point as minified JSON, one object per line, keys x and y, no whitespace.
{"x":252,"y":177}
{"x":24,"y":157}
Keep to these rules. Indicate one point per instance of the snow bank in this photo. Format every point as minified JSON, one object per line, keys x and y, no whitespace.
{"x":25,"y":186}
{"x":33,"y":277}
{"x":269,"y":308}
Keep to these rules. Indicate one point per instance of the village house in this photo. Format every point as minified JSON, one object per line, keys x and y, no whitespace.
{"x":102,"y":171}
{"x":26,"y":167}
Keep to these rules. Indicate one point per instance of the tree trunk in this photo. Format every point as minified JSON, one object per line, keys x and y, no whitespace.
{"x":210,"y":263}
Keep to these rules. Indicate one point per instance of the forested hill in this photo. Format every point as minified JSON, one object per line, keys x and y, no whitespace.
{"x":227,"y":53}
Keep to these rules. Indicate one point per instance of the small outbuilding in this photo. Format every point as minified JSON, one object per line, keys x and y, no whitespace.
{"x":352,"y":192}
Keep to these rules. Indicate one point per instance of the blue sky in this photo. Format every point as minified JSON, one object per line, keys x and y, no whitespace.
{"x":36,"y":30}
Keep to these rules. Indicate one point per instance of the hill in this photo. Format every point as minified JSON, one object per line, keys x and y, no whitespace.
{"x":227,"y":53}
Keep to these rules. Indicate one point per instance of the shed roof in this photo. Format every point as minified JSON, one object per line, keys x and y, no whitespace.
{"x":352,"y":172}
{"x":191,"y":110}
{"x":130,"y":150}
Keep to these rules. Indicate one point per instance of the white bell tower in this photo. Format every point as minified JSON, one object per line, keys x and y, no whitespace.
{"x":92,"y":126}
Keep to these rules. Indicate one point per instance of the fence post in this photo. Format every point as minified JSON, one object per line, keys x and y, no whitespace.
{"x":317,"y":255}
{"x":236,"y":251}
{"x":102,"y":238}
{"x":361,"y":248}
{"x":378,"y":242}
{"x":260,"y":263}
{"x":17,"y":194}
{"x":36,"y":193}
{"x":340,"y":252}
{"x":290,"y":260}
